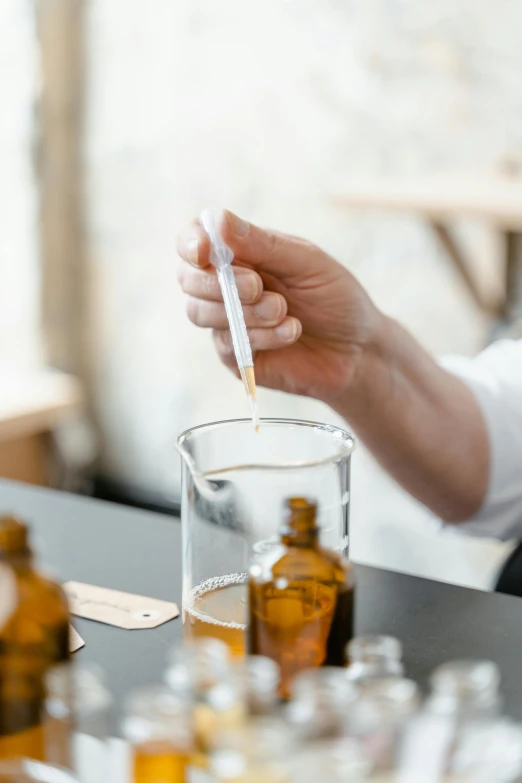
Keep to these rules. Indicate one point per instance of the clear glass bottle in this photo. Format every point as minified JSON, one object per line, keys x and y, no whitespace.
{"x":374,"y":656}
{"x":77,"y":726}
{"x":339,"y":760}
{"x":34,"y":636}
{"x":258,"y":752}
{"x":202,"y":671}
{"x":30,"y":771}
{"x":485,"y":750}
{"x":158,"y":725}
{"x":465,"y":688}
{"x":301,"y":598}
{"x":322,"y":700}
{"x":379,"y":716}
{"x":488,"y":751}
{"x":463,"y":694}
{"x":258,"y":678}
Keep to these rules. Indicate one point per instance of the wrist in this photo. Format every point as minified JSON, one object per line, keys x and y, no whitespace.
{"x":371,"y":378}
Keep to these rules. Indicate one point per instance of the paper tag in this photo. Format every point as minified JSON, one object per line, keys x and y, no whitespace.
{"x":75,"y":640}
{"x":113,"y":607}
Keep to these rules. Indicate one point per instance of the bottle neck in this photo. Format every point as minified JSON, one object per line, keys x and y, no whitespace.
{"x":307,"y":537}
{"x":21,"y":560}
{"x":299,"y":527}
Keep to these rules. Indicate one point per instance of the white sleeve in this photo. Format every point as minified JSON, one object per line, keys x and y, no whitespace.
{"x":495,"y":377}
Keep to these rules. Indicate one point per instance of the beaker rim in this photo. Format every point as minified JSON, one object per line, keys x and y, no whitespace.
{"x":343,"y":436}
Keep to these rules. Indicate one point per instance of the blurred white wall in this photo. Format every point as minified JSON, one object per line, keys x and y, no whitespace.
{"x":264,"y":107}
{"x":19,"y":314}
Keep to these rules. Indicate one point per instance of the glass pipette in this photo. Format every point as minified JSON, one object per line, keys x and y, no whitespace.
{"x":221,"y":257}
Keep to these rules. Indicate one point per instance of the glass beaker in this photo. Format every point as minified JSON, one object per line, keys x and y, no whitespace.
{"x":234,"y":485}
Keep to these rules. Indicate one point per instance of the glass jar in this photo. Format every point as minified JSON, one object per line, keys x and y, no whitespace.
{"x":258,"y":679}
{"x":234,"y":484}
{"x":374,"y":656}
{"x":77,"y":725}
{"x":464,"y":695}
{"x":158,"y":724}
{"x":202,"y":672}
{"x":488,"y":751}
{"x":258,"y":752}
{"x":465,"y":688}
{"x":335,"y":760}
{"x":383,"y":709}
{"x":29,"y":771}
{"x":322,"y":700}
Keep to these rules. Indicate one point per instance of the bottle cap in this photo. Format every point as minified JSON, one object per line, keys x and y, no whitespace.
{"x":156,"y":713}
{"x":374,"y":648}
{"x":300,"y":514}
{"x":198,"y":666}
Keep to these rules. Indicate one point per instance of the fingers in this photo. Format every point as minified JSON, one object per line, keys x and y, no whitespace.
{"x":269,"y":251}
{"x":203,"y":284}
{"x":193,"y":245}
{"x":270,"y":310}
{"x":287,"y":333}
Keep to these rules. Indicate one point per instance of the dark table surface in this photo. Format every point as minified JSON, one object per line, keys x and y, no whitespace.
{"x":140,"y":552}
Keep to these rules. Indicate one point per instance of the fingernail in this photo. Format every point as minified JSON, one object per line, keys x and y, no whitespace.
{"x":239,"y":227}
{"x":192,"y":251}
{"x":287,"y":331}
{"x":269,"y":308}
{"x":248,"y":287}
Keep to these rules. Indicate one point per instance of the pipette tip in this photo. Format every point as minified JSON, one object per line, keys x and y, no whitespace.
{"x":249,"y":381}
{"x":255,"y":413}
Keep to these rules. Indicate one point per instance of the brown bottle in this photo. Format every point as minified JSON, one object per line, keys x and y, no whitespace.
{"x":34,"y":636}
{"x":300,"y":599}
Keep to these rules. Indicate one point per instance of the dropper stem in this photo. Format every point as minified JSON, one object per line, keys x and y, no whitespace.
{"x":249,"y":381}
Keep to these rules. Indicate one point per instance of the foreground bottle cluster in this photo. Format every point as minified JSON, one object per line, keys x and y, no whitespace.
{"x":312,"y":705}
{"x":219,"y":719}
{"x":215,"y":719}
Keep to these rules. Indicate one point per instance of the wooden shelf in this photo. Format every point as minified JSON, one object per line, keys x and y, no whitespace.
{"x":31,"y":404}
{"x":496,"y":199}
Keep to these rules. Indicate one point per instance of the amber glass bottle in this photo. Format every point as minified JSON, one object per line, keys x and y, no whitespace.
{"x":34,"y":635}
{"x":300,"y":598}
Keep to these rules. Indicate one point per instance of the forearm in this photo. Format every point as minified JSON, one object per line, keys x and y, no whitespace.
{"x":422,"y":424}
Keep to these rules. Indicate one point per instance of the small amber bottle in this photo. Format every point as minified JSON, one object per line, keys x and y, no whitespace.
{"x":300,"y":598}
{"x":34,"y":636}
{"x":158,"y":725}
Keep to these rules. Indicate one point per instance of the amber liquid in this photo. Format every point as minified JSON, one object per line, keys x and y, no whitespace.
{"x":218,"y":608}
{"x":260,"y":776}
{"x":33,"y":639}
{"x":159,"y":762}
{"x":302,"y":617}
{"x":30,"y":743}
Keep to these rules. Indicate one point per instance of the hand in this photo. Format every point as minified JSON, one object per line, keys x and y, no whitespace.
{"x":309,"y":321}
{"x":315,"y":332}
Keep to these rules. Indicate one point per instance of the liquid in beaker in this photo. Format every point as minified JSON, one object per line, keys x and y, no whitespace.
{"x":218,"y":608}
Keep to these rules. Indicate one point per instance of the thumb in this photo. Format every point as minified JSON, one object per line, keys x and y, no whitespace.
{"x":268,"y":251}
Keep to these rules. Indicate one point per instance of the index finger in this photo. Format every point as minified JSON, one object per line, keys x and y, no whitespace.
{"x":193,"y":245}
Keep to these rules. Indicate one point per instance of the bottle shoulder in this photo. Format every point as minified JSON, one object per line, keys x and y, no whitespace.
{"x":34,"y":596}
{"x":344,"y":568}
{"x":316,"y":562}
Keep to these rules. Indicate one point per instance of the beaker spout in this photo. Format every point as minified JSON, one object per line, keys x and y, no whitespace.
{"x":216,"y":500}
{"x":204,"y":486}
